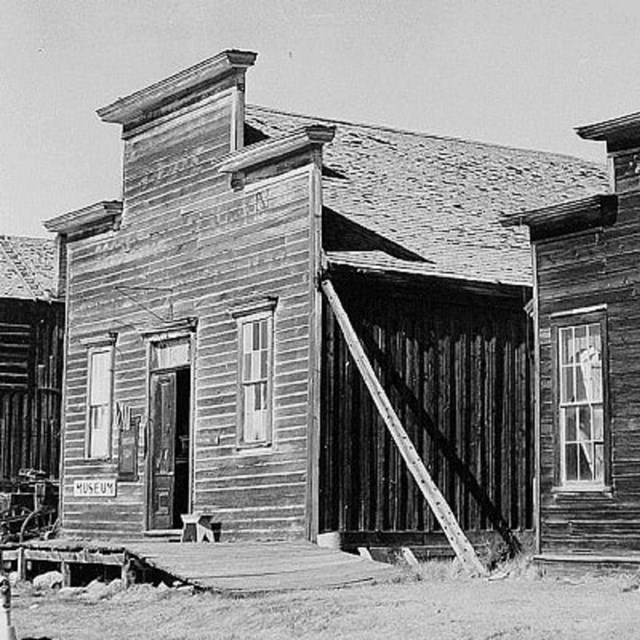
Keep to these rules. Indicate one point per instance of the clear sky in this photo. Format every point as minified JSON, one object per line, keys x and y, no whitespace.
{"x":515,"y":72}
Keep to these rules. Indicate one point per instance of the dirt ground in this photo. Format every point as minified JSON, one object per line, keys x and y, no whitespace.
{"x":430,"y":603}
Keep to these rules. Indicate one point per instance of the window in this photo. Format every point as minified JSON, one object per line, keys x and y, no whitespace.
{"x":255,"y":336}
{"x":581,"y":404}
{"x":99,"y":397}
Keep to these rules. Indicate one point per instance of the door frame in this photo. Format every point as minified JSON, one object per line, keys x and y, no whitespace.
{"x":181,"y":330}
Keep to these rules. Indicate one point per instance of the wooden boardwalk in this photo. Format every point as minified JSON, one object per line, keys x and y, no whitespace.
{"x":259,"y":567}
{"x":224,"y":567}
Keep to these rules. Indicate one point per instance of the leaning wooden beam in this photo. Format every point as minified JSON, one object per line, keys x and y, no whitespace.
{"x":459,"y":542}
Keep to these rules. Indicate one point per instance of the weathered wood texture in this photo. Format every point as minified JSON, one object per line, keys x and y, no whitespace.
{"x":457,"y":368}
{"x":582,"y":270}
{"x":190,"y":246}
{"x":31,"y":358}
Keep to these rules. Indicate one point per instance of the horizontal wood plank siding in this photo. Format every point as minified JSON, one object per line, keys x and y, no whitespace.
{"x":598,"y":267}
{"x":31,"y":360}
{"x":190,"y":246}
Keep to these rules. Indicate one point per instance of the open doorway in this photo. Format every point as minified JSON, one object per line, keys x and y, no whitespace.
{"x":170,"y":445}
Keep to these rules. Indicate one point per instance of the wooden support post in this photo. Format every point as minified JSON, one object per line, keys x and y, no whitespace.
{"x":65,"y":570}
{"x":21,"y":565}
{"x":125,"y":572}
{"x":458,"y":541}
{"x":409,"y":557}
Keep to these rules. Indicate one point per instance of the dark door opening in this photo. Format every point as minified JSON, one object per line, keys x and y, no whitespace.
{"x":170,"y":448}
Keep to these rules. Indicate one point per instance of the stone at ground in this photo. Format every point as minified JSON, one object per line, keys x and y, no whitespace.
{"x":70,"y":592}
{"x":14,"y":578}
{"x":162,"y":587}
{"x":48,"y":580}
{"x":95,"y":591}
{"x":114,"y":586}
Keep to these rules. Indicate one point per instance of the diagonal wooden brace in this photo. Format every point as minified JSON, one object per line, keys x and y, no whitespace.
{"x":456,"y":537}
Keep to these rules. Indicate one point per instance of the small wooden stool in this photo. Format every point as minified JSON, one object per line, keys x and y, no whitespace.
{"x":196,"y":527}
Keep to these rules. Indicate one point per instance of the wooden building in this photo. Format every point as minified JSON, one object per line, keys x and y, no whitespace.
{"x":205,"y":369}
{"x":31,"y":357}
{"x":588,"y":283}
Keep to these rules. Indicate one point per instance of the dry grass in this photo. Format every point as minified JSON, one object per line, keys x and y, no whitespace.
{"x":436,"y":601}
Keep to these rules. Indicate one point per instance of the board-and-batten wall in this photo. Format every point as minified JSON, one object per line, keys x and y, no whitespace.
{"x":31,"y":346}
{"x":582,"y":270}
{"x":457,"y":368}
{"x":190,"y":246}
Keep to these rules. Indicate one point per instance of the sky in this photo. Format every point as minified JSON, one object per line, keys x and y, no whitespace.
{"x":516,"y":72}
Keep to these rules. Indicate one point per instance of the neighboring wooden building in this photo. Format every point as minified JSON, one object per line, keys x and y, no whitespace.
{"x":586,"y":256}
{"x":205,"y":370}
{"x":31,"y":357}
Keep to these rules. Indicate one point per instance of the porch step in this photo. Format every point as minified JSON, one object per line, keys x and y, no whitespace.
{"x":165,"y":535}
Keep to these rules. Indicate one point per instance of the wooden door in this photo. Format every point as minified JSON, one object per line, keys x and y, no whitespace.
{"x":162,"y":427}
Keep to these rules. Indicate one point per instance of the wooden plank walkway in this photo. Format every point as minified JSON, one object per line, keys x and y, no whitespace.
{"x":244,"y":568}
{"x":224,"y":567}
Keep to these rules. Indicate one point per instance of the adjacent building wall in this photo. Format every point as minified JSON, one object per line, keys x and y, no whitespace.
{"x":593,"y":271}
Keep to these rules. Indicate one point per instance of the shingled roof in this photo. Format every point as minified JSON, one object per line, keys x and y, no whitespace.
{"x":28,"y":268}
{"x":439,"y":199}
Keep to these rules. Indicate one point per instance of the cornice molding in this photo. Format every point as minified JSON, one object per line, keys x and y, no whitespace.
{"x":104,"y":212}
{"x":273,"y":149}
{"x":133,"y":107}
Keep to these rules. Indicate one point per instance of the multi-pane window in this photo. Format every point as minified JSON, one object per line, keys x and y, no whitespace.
{"x":255,"y":336}
{"x":581,"y":404}
{"x":99,"y":397}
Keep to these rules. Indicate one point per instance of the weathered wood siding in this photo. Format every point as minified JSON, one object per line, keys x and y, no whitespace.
{"x":457,"y":368}
{"x":31,"y":358}
{"x":577,"y":271}
{"x":190,"y":246}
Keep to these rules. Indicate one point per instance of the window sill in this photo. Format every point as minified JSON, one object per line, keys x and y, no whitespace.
{"x":254,"y":448}
{"x":583,"y":488}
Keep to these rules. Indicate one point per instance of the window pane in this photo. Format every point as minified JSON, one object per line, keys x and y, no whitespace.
{"x":264,"y":364}
{"x":580,"y":339}
{"x":566,"y":385}
{"x":599,"y":462}
{"x":598,"y":422}
{"x":565,"y":345}
{"x":264,"y":332}
{"x":585,"y":423}
{"x":580,"y":390}
{"x":100,"y":379}
{"x":99,"y":431}
{"x":571,"y":462}
{"x":247,"y":373}
{"x":586,"y":461}
{"x":170,"y":354}
{"x":570,"y":424}
{"x":256,"y":336}
{"x":247,"y":337}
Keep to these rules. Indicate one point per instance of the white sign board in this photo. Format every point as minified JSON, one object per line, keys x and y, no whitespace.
{"x":94,"y":488}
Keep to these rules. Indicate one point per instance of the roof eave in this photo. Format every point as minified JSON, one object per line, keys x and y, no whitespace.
{"x":568,"y":217}
{"x":73,"y":221}
{"x":610,"y":129}
{"x":440,"y":276}
{"x":273,"y":149}
{"x":127,"y":109}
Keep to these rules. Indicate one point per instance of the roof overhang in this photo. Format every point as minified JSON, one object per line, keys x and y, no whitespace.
{"x":266,"y":152}
{"x":614,"y":131}
{"x":568,"y":217}
{"x":413,"y":272}
{"x":133,"y":107}
{"x":98,"y":217}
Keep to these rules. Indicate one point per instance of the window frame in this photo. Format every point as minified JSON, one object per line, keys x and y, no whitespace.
{"x":244,"y":318}
{"x":564,"y":320}
{"x":105,"y":347}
